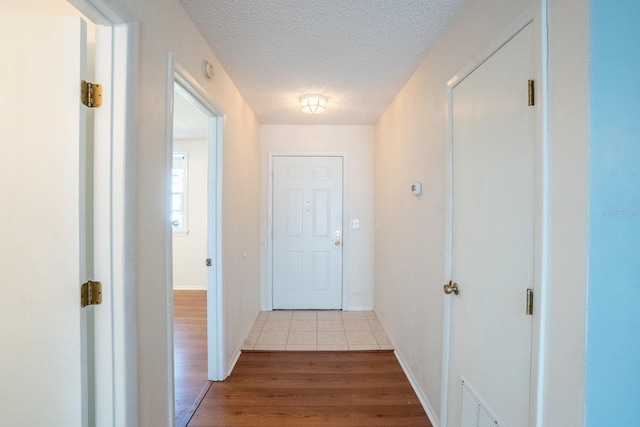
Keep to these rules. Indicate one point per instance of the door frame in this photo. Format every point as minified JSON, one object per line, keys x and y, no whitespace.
{"x":535,"y":14}
{"x":267,"y":289}
{"x":116,"y":389}
{"x":216,"y":351}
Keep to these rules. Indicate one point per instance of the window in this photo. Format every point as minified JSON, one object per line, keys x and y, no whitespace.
{"x":179,"y":193}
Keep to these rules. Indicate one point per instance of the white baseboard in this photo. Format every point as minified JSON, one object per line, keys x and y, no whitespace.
{"x":236,"y":355}
{"x":368,"y":308}
{"x":435,"y":420}
{"x":232,"y":362}
{"x":189,"y":288}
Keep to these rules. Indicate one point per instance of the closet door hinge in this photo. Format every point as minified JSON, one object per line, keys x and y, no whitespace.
{"x":529,"y":309}
{"x":90,"y":293}
{"x":91,"y":94}
{"x":531,"y":94}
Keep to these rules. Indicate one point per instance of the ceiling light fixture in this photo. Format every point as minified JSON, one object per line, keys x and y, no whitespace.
{"x":313,"y":104}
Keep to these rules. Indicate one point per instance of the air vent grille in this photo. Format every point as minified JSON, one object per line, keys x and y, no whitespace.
{"x":473,"y":412}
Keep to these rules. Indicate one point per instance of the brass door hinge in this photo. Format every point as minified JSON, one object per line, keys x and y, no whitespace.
{"x":529,"y":309}
{"x":90,"y":294}
{"x":531,"y":94}
{"x":91,"y":94}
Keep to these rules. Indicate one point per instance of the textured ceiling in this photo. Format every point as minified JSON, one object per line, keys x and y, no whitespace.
{"x":358,"y":53}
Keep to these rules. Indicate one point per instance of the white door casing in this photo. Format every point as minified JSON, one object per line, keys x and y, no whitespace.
{"x":307,"y":232}
{"x":218,"y":368}
{"x":42,"y":217}
{"x":493,"y":234}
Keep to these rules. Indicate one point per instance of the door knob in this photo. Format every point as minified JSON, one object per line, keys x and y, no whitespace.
{"x":451,"y":288}
{"x":338,"y":242}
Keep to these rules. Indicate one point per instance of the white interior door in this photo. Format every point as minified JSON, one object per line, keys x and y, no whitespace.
{"x":493,"y":240}
{"x":307,"y":232}
{"x":42,"y":224}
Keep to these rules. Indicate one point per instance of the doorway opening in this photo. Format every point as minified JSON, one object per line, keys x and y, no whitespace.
{"x":196,"y":274}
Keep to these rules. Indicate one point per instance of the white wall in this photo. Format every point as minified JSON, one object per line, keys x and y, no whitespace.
{"x":569,"y":46}
{"x":357,"y":145}
{"x":190,"y":251}
{"x":164,"y":28}
{"x":410,"y":238}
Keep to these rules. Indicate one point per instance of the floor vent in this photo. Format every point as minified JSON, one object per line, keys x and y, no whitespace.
{"x":474,"y":413}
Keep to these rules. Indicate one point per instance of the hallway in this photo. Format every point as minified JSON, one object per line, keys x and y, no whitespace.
{"x":304,"y":388}
{"x":340,"y":332}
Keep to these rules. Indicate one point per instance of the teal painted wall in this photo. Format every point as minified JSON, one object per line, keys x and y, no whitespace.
{"x":613,"y":312}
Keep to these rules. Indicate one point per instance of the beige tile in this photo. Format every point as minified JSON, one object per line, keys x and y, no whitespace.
{"x":329,"y":315}
{"x":331,"y":338}
{"x":280,"y":315}
{"x":380,"y":336}
{"x":305,"y":315}
{"x":361,"y":338}
{"x":356,"y":325}
{"x":259,"y":323}
{"x":271,"y":347}
{"x":353,"y":315}
{"x":303,"y":325}
{"x":301,"y":347}
{"x":272,"y":337}
{"x":356,"y":347}
{"x":333,"y":347}
{"x":300,"y":331}
{"x":383,"y":340}
{"x":375,"y":325}
{"x":386,"y":346}
{"x":302,"y":338}
{"x":276,"y":325}
{"x":330,"y":325}
{"x":252,"y":337}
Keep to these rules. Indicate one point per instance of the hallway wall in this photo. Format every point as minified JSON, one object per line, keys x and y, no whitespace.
{"x":411,"y":139}
{"x":164,"y":28}
{"x":411,"y":146}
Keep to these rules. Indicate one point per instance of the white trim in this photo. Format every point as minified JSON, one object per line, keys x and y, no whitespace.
{"x":233,"y":361}
{"x":502,"y":38}
{"x":531,"y":14}
{"x":268,"y":304}
{"x":168,"y":239}
{"x":448,"y":261}
{"x":117,"y":391}
{"x":189,"y":288}
{"x":105,"y":12}
{"x":543,"y":235}
{"x":124,"y":131}
{"x":364,"y":308}
{"x":422,"y":397}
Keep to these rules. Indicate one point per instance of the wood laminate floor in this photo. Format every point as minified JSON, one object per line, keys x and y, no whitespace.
{"x":292,"y":388}
{"x":190,"y":352}
{"x":311,"y":388}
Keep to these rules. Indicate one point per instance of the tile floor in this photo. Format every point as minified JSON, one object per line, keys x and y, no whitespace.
{"x":317,"y":330}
